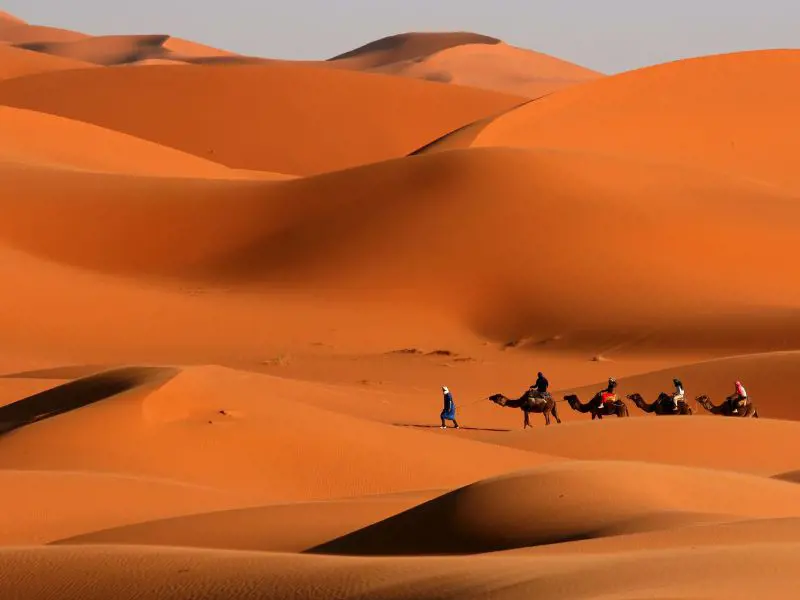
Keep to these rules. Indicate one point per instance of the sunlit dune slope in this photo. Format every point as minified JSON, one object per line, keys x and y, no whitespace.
{"x":24,"y":33}
{"x":7,"y":19}
{"x":723,"y":536}
{"x":40,"y":506}
{"x":262,"y":111}
{"x":498,"y":67}
{"x":334,"y":232}
{"x":275,"y":528}
{"x":761,"y":446}
{"x":104,"y":50}
{"x":405,"y":46}
{"x":568,"y":501}
{"x":251,"y":435}
{"x":16,"y":62}
{"x":709,"y":112}
{"x":186,"y":48}
{"x":100,"y":572}
{"x":34,"y":138}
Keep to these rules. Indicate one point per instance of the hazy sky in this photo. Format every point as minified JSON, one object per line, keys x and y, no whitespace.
{"x":608,"y":35}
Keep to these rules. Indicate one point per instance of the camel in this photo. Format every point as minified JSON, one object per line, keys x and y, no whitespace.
{"x":726,"y":410}
{"x":597,"y":408}
{"x":663,"y":405}
{"x":529,"y":405}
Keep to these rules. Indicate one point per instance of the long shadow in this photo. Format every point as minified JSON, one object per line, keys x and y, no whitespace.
{"x":416,"y":426}
{"x":77,"y":394}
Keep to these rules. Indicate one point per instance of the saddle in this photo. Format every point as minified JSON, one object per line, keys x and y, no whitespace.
{"x":537,"y":398}
{"x":608,"y":398}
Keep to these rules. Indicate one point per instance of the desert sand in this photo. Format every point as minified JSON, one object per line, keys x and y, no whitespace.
{"x":234,"y":286}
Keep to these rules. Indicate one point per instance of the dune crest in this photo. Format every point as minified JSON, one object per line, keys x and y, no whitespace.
{"x":267,"y":128}
{"x":405,"y":46}
{"x":497,"y":67}
{"x":9,"y":19}
{"x":700,"y":112}
{"x":569,"y":501}
{"x":17,"y":62}
{"x":104,"y":50}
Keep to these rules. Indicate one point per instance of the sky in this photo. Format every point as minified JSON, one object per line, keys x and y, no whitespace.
{"x":606,"y":35}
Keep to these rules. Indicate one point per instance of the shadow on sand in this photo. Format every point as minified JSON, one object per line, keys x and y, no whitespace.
{"x":416,"y":426}
{"x":77,"y":394}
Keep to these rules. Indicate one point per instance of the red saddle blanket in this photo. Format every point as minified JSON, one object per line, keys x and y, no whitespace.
{"x":607,"y":397}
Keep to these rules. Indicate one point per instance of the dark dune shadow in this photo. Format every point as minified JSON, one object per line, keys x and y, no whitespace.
{"x":79,"y":393}
{"x":791,"y":476}
{"x":449,"y":427}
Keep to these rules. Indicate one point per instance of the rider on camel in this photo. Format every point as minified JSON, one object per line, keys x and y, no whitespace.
{"x":539,"y":389}
{"x":679,"y":394}
{"x":609,"y":394}
{"x":739,"y":397}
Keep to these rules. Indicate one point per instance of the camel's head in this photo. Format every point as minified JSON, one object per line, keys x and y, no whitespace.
{"x":571,"y":399}
{"x":702,"y":400}
{"x":498,"y":399}
{"x":634,"y":397}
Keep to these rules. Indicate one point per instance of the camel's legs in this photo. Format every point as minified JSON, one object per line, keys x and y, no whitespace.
{"x":555,"y":412}
{"x":527,"y":421}
{"x":546,"y":417}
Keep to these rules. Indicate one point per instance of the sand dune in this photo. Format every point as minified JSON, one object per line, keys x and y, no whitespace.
{"x":405,"y":46}
{"x":34,"y":138}
{"x":108,"y":571}
{"x":275,"y":528}
{"x":266,"y":128}
{"x":186,"y":48}
{"x":268,"y":239}
{"x":7,"y":19}
{"x":16,"y":62}
{"x":708,"y":112}
{"x":40,"y":507}
{"x":105,"y":50}
{"x":24,"y":34}
{"x":234,"y":286}
{"x":760,"y":446}
{"x":497,"y":67}
{"x":570,"y":501}
{"x":248,"y":434}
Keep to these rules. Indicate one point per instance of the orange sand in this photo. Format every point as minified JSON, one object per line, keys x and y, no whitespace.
{"x":232,"y":291}
{"x":16,"y":62}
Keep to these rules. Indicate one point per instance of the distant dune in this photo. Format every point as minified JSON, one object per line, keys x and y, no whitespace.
{"x":708,"y":112}
{"x":496,"y":67}
{"x":262,"y":111}
{"x":467,"y":59}
{"x":7,"y":19}
{"x":24,"y":34}
{"x":105,"y":50}
{"x":406,"y":46}
{"x":16,"y":62}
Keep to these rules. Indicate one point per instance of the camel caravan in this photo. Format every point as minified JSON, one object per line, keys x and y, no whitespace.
{"x":606,"y":403}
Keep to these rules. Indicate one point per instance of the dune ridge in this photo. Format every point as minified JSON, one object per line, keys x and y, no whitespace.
{"x":265,"y":128}
{"x":697,"y":112}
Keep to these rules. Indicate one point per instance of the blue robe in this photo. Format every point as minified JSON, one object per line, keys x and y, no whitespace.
{"x":449,"y":411}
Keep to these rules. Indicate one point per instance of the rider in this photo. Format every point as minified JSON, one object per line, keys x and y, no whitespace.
{"x":609,"y":394}
{"x":739,"y":397}
{"x":679,"y":393}
{"x":539,"y":389}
